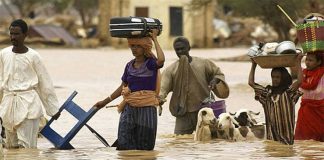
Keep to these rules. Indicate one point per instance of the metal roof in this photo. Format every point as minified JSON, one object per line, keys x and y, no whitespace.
{"x":50,"y":32}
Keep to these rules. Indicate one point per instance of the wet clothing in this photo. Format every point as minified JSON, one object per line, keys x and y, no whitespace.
{"x":24,"y":136}
{"x":279,"y":111}
{"x":186,"y":124}
{"x":189,"y":84}
{"x":138,"y":125}
{"x":310,"y":121}
{"x":138,"y":99}
{"x":143,"y":78}
{"x":25,"y":89}
{"x":137,"y":128}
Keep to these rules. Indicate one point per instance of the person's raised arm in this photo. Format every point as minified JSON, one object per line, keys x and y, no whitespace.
{"x":252,"y":73}
{"x":159,"y":52}
{"x":110,"y":98}
{"x":297,"y":83}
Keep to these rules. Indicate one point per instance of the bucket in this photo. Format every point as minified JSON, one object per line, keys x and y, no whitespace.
{"x":217,"y":106}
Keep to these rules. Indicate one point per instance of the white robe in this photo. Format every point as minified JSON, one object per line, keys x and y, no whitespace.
{"x":25,"y":87}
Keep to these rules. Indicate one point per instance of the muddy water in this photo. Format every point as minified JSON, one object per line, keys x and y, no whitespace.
{"x":95,"y":73}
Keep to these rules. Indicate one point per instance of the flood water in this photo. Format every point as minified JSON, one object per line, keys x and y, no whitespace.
{"x":95,"y":74}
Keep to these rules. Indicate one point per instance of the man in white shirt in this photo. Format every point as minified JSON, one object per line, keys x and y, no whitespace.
{"x":25,"y":87}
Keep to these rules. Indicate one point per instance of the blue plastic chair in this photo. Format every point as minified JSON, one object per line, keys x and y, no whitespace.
{"x":64,"y":142}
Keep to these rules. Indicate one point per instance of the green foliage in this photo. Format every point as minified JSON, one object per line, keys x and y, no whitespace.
{"x":26,"y":6}
{"x":268,"y":12}
{"x":60,"y":5}
{"x":266,"y":8}
{"x":87,"y":10}
{"x":197,"y":4}
{"x":86,"y":4}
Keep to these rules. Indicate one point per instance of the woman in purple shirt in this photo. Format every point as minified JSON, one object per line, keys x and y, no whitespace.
{"x":138,"y":119}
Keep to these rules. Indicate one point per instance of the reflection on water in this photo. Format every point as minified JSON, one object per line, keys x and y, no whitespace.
{"x":169,"y":146}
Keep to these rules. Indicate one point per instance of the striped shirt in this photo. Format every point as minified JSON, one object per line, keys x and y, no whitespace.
{"x":279,"y":113}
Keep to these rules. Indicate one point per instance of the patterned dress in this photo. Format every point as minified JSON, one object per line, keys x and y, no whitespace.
{"x":279,"y":110}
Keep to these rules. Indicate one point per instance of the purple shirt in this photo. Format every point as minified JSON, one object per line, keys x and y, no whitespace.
{"x":142,"y":78}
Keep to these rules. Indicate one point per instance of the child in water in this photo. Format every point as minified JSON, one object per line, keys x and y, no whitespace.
{"x":310,"y":122}
{"x":278,"y":101}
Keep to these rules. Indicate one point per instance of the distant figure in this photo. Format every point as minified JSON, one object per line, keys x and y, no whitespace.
{"x":138,"y":118}
{"x":310,"y":122}
{"x":25,"y":88}
{"x":190,"y":79}
{"x":278,"y":101}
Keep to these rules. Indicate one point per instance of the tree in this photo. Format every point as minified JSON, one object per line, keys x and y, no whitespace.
{"x":4,"y":3}
{"x":26,"y":7}
{"x":60,"y":6}
{"x":87,"y":10}
{"x":268,"y":12}
{"x":103,"y":21}
{"x":205,"y":9}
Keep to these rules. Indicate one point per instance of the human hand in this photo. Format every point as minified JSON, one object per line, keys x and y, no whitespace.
{"x":300,"y":56}
{"x":154,"y":34}
{"x":213,"y":83}
{"x":294,"y":86}
{"x":99,"y":104}
{"x":253,"y":62}
{"x":161,"y":100}
{"x":57,"y":115}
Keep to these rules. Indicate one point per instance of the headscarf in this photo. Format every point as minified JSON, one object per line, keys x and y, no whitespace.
{"x":144,"y":42}
{"x":285,"y":81}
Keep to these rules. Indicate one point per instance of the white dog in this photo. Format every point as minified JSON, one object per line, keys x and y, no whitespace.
{"x":206,"y":118}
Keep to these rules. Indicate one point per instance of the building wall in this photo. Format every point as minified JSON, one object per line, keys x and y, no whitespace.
{"x":193,"y":21}
{"x":160,"y":9}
